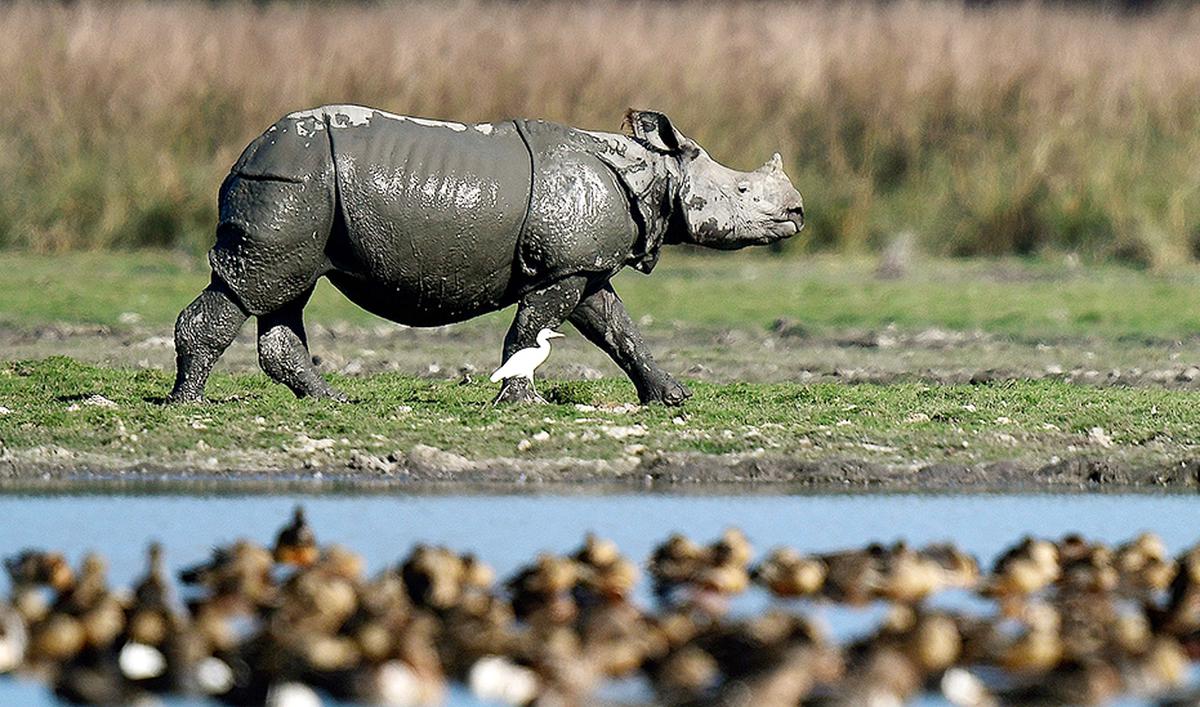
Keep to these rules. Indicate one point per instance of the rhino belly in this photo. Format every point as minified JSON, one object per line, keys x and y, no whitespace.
{"x":431,"y":214}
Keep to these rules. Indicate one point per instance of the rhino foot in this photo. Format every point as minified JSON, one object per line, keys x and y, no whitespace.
{"x":177,"y":398}
{"x":517,"y":390}
{"x":326,"y":392}
{"x":669,"y":392}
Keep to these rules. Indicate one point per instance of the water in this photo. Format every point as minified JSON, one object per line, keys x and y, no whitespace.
{"x":508,"y":530}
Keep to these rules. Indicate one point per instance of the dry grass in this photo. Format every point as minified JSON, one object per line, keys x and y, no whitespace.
{"x":1013,"y":129}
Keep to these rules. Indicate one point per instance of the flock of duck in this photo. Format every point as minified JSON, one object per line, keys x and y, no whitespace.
{"x":1054,"y":622}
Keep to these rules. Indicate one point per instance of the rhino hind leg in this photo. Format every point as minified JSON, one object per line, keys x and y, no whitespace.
{"x":204,"y":329}
{"x":284,"y":356}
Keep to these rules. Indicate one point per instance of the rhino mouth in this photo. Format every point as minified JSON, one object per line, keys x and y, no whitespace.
{"x":786,"y":227}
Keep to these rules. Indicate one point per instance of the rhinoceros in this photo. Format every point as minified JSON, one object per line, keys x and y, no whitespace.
{"x":429,"y":222}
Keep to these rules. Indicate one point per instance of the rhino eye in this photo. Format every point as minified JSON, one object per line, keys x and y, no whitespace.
{"x":743,"y":187}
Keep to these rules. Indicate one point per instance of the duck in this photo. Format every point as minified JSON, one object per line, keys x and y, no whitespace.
{"x":1144,"y":566}
{"x":240,"y":572}
{"x":1039,"y":648}
{"x":150,"y":617}
{"x":674,"y":562}
{"x":1027,"y":568}
{"x":1071,"y":683}
{"x":929,"y":639}
{"x":906,"y":576}
{"x":960,"y":570}
{"x":787,"y":573}
{"x":98,"y":610}
{"x":434,"y":576}
{"x":604,"y":574}
{"x":296,"y":543}
{"x":544,"y":588}
{"x":1163,"y":667}
{"x":853,"y":576}
{"x":14,"y":639}
{"x":881,"y":675}
{"x":30,"y":572}
{"x":497,"y":679}
{"x":684,"y":675}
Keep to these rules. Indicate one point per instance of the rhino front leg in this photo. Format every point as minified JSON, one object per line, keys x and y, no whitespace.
{"x":601,"y":317}
{"x":544,"y":308}
{"x":283,"y":352}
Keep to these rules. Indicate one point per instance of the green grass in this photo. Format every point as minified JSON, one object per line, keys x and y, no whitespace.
{"x":1028,"y":299}
{"x":254,"y":422}
{"x":1123,"y":314}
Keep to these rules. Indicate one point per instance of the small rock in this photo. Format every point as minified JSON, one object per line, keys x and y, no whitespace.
{"x":524,"y":445}
{"x":621,"y":432}
{"x":156,"y":342}
{"x":371,"y":462}
{"x":425,"y":457}
{"x":99,"y":401}
{"x":308,"y":445}
{"x":541,"y":436}
{"x":1188,"y":374}
{"x":1100,"y":437}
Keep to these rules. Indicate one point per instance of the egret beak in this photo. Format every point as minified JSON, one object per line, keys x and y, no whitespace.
{"x":555,"y":335}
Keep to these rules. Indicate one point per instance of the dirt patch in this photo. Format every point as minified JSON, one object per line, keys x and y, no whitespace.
{"x":784,"y":351}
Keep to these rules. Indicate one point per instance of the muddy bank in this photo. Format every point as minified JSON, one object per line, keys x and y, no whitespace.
{"x":429,"y":468}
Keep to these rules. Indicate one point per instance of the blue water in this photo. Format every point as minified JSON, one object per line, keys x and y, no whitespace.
{"x":508,"y":530}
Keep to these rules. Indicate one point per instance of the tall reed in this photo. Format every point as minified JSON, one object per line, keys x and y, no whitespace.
{"x":1010,"y":129}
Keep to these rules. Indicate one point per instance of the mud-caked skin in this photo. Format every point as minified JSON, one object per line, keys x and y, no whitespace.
{"x":428,"y":223}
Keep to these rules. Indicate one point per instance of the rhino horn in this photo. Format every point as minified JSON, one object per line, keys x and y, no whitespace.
{"x":775,"y":164}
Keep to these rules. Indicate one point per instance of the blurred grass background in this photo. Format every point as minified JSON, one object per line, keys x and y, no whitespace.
{"x":1006,"y":129}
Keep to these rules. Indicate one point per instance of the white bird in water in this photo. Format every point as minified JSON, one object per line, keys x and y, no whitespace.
{"x":523,"y":363}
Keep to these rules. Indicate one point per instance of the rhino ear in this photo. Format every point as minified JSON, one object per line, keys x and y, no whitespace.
{"x":655,"y":130}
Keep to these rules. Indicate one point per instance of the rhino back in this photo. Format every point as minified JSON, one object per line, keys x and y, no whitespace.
{"x":580,"y":217}
{"x":432,"y":213}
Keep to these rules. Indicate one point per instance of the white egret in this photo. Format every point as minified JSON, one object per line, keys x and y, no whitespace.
{"x":523,"y":363}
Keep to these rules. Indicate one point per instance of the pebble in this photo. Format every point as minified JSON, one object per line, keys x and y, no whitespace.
{"x":1100,"y":437}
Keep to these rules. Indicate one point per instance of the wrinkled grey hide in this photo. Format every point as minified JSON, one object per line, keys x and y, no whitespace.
{"x":428,"y":223}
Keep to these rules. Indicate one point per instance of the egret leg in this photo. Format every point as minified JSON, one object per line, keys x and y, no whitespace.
{"x":204,"y":329}
{"x":544,"y":308}
{"x":602,"y":319}
{"x":283,"y":352}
